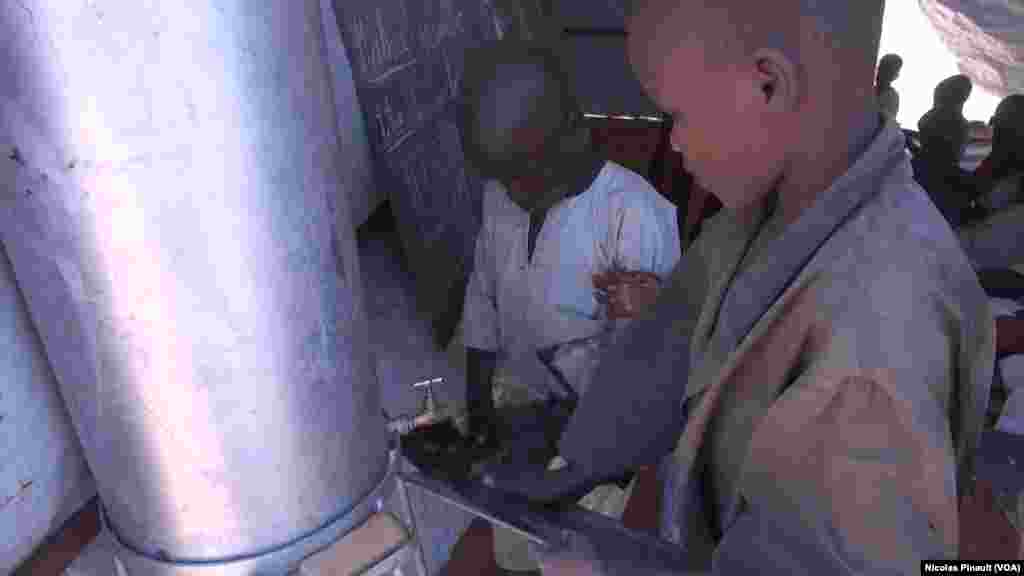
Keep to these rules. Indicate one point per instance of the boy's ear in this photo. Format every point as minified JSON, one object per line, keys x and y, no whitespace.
{"x":779,"y":79}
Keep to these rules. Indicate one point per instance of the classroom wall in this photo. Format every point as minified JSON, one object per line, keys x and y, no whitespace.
{"x":986,"y":36}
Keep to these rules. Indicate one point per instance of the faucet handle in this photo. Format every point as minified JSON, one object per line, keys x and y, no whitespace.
{"x":428,"y":383}
{"x":431,"y":403}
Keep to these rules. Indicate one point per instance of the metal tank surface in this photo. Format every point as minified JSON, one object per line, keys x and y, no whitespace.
{"x":44,"y":479}
{"x":171,"y":222}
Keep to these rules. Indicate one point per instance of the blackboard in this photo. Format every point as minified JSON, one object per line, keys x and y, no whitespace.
{"x":407,"y":58}
{"x":591,"y":13}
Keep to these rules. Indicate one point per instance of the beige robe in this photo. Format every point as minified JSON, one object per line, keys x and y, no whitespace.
{"x":879,"y":356}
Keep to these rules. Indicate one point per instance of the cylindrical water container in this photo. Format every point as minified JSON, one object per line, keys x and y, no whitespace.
{"x":172,"y":225}
{"x":43,"y":476}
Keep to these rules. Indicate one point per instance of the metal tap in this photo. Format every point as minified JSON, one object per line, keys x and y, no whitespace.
{"x":432,"y":413}
{"x":430,"y":405}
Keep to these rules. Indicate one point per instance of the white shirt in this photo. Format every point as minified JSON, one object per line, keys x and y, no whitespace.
{"x":517,"y":306}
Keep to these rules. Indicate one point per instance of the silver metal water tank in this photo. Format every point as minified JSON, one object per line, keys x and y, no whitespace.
{"x":172,"y":225}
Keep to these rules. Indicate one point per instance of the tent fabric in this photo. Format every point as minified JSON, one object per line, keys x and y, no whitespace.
{"x":986,"y":36}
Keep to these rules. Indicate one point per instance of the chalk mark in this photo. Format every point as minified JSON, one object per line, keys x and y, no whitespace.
{"x":400,"y":140}
{"x":392,"y":71}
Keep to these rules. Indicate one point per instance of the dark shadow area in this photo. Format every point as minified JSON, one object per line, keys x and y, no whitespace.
{"x":382,"y":227}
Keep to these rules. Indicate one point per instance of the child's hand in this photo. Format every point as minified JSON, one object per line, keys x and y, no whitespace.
{"x":626,"y":294}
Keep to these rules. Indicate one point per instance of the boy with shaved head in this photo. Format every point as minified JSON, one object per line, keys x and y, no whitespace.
{"x":824,"y":350}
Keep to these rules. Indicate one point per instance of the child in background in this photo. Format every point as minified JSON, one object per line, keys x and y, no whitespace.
{"x":888,"y":99}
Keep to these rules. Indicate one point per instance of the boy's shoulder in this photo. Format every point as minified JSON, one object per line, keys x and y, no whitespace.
{"x":624,"y":175}
{"x":895,"y":255}
{"x":619,"y":176}
{"x":898,"y":251}
{"x":619,"y":184}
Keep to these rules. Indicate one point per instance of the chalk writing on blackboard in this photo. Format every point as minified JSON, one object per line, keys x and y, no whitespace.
{"x":411,"y":98}
{"x":430,"y":87}
{"x":390,"y":119}
{"x":441,"y":20}
{"x":407,"y":61}
{"x":499,"y":26}
{"x":452,"y":76}
{"x":401,"y":140}
{"x":379,"y":38}
{"x":449,"y":138}
{"x":383,"y":76}
{"x":437,"y":186}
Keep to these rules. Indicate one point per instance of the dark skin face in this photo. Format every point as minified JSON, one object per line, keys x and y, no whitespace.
{"x":546,"y":171}
{"x":623,"y":293}
{"x":528,"y":140}
{"x":525,"y":131}
{"x":538,"y":175}
{"x":546,"y":174}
